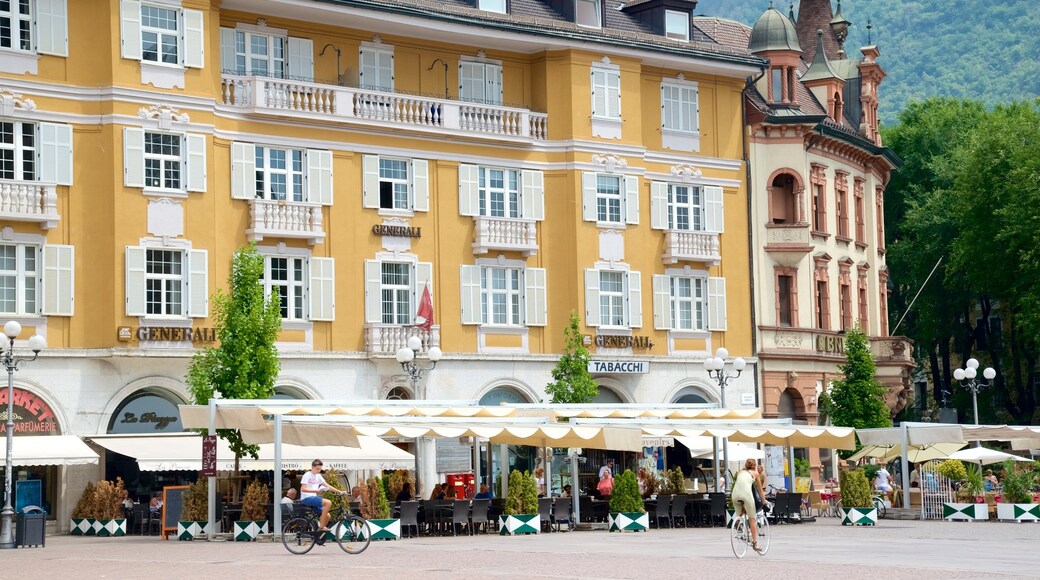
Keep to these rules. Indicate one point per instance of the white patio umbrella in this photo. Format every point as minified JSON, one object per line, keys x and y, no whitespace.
{"x":984,"y":456}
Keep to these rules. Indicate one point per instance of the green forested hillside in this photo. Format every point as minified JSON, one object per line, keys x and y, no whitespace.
{"x":982,"y":49}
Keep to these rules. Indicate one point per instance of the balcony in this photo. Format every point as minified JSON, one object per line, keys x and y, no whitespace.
{"x":892,"y":349}
{"x":788,"y":244}
{"x":505,"y":234}
{"x":687,"y":246}
{"x":29,"y":201}
{"x":285,"y":219}
{"x":299,"y":99}
{"x":387,"y":339}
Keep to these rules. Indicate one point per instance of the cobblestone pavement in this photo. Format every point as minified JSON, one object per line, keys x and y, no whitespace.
{"x":820,"y":550}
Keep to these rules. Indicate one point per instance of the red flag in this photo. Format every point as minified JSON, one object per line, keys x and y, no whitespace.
{"x":424,"y":316}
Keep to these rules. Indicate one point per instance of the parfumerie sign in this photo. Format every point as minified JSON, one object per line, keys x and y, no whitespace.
{"x":167,"y":333}
{"x":628,"y":367}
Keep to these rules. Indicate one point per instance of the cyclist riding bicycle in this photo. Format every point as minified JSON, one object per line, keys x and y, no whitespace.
{"x":744,"y":499}
{"x":312,"y":484}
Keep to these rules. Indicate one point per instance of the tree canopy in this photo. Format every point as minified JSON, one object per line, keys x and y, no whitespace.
{"x":857,"y":399}
{"x":571,"y":380}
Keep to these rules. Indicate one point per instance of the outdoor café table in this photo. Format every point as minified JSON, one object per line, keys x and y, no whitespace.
{"x":698,"y":506}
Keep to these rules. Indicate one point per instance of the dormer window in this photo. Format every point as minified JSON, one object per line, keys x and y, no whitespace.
{"x":587,"y":13}
{"x":677,"y":25}
{"x":492,"y":5}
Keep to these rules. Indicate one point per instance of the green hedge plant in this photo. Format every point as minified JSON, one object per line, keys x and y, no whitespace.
{"x":196,"y":502}
{"x":855,"y":489}
{"x":523,"y":494}
{"x":625,"y":497}
{"x":1017,"y":483}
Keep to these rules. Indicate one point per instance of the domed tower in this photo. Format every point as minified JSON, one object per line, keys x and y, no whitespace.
{"x":774,"y":38}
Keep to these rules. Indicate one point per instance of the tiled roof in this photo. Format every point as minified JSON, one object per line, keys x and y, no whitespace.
{"x":722,"y":31}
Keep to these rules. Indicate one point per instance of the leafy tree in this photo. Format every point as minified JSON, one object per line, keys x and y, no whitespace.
{"x":245,"y":364}
{"x":571,"y":380}
{"x":857,"y":399}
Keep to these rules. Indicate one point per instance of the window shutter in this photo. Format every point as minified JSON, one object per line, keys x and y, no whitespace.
{"x":319,"y":176}
{"x":716,"y":304}
{"x":423,"y":278}
{"x":322,"y":291}
{"x":713,"y":216}
{"x":370,"y":185}
{"x":599,"y":93}
{"x":534,"y":194}
{"x":194,"y":39}
{"x":385,"y":61}
{"x":59,"y":264}
{"x":662,"y":286}
{"x":696,"y":106}
{"x":133,"y":157}
{"x":243,"y":170}
{"x":471,"y":310}
{"x":196,"y":162}
{"x":494,"y":84}
{"x":632,"y":199}
{"x":198,"y":284}
{"x":373,"y":292}
{"x":665,"y":105}
{"x":635,"y":300}
{"x":471,"y":80}
{"x":135,"y":265}
{"x":613,"y":82}
{"x":56,"y":153}
{"x":301,"y":59}
{"x":658,"y":205}
{"x":130,"y":29}
{"x":367,"y":65}
{"x":52,"y":27}
{"x":420,"y":185}
{"x":535,"y":297}
{"x":227,"y":51}
{"x":592,"y":297}
{"x":469,"y":190}
{"x":588,"y":197}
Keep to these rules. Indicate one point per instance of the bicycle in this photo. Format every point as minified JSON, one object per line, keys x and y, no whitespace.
{"x":301,"y":533}
{"x":740,"y":537}
{"x":878,"y":499}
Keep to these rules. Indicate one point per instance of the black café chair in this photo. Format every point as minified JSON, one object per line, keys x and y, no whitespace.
{"x":678,"y":510}
{"x":663,"y":510}
{"x":479,"y":514}
{"x":410,"y":516}
{"x":716,"y":514}
{"x":140,"y":517}
{"x":545,"y":513}
{"x":585,"y":507}
{"x":460,"y":515}
{"x":562,"y":512}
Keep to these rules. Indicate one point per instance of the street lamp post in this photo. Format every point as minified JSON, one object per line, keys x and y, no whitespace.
{"x":716,"y":368}
{"x":407,"y":356}
{"x":966,"y":377}
{"x":10,"y":362}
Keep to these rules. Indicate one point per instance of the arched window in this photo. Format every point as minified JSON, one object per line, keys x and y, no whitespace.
{"x":147,"y":411}
{"x":790,"y":405}
{"x":398,"y":394}
{"x":499,"y":395}
{"x":783,"y":202}
{"x":291,"y":393}
{"x":692,"y":396}
{"x":607,"y":395}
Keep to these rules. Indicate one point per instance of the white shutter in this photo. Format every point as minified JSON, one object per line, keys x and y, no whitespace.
{"x":613,"y":83}
{"x":420,"y":185}
{"x":696,"y":109}
{"x":599,"y":93}
{"x":471,"y":80}
{"x":228,"y":63}
{"x":58,"y":280}
{"x":635,"y":300}
{"x":493,"y":72}
{"x":662,"y":286}
{"x":367,"y":75}
{"x":196,"y":162}
{"x":198,"y":284}
{"x":133,"y":157}
{"x":588,"y":197}
{"x":658,"y":205}
{"x":469,"y":190}
{"x":243,"y":170}
{"x":135,"y":291}
{"x":385,"y":63}
{"x":322,"y":291}
{"x":370,"y":182}
{"x":592,"y":297}
{"x":319,"y":176}
{"x":423,"y":278}
{"x":301,"y":59}
{"x":632,"y":199}
{"x":716,"y":304}
{"x":55,"y":153}
{"x":713,"y":215}
{"x":194,"y":39}
{"x":535,"y":297}
{"x":534,"y":194}
{"x":130,"y":29}
{"x":373,"y":291}
{"x":471,"y":310}
{"x":52,"y":27}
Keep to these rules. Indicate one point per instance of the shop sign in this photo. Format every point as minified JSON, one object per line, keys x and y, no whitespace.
{"x":830,"y":344}
{"x":166,"y":333}
{"x":621,"y":367}
{"x":397,"y":231}
{"x":209,"y":456}
{"x":614,"y":341}
{"x":161,"y":423}
{"x":658,"y":442}
{"x":32,"y":416}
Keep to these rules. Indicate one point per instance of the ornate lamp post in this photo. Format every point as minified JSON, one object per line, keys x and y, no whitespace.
{"x":716,"y":368}
{"x":407,"y":356}
{"x":10,"y":362}
{"x":966,"y":377}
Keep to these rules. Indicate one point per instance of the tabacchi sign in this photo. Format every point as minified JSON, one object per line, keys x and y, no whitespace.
{"x":32,"y":415}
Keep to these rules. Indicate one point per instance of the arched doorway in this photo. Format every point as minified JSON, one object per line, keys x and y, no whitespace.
{"x":679,"y":454}
{"x":607,"y":395}
{"x":32,"y":415}
{"x":519,"y":457}
{"x":147,"y":411}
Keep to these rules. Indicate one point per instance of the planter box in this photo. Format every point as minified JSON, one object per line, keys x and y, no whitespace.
{"x":859,"y":516}
{"x":81,"y":526}
{"x":519,"y":524}
{"x":248,"y":530}
{"x":95,"y":526}
{"x":116,"y":527}
{"x":383,"y":529}
{"x":190,"y":530}
{"x":634,"y":521}
{"x":965,"y":511}
{"x":1019,"y":512}
{"x":730,"y":514}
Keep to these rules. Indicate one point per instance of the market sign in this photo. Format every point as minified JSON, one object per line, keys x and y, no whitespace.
{"x":658,"y":441}
{"x":32,"y":416}
{"x":621,"y":367}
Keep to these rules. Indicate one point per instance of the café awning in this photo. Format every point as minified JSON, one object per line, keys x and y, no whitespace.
{"x":251,"y":417}
{"x":788,"y":435}
{"x":32,"y":450}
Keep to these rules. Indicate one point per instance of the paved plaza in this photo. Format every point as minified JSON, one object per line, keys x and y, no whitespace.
{"x":893,"y":550}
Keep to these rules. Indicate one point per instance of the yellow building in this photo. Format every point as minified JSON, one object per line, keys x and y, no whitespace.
{"x":519,"y":164}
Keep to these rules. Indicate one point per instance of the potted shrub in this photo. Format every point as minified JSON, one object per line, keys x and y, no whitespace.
{"x":254,"y":513}
{"x":626,"y":505}
{"x":857,"y":508}
{"x":520,"y":515}
{"x":1017,"y":497}
{"x":195,"y":512}
{"x":108,"y":509}
{"x":376,"y":510}
{"x":969,"y":505}
{"x":83,"y":514}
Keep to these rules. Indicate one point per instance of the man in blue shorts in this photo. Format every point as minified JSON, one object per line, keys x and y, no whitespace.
{"x":312,"y":484}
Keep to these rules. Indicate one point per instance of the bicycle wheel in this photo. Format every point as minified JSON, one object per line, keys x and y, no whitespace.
{"x":763,"y":534}
{"x":298,"y":535}
{"x":738,"y":536}
{"x":353,"y":534}
{"x":879,"y":504}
